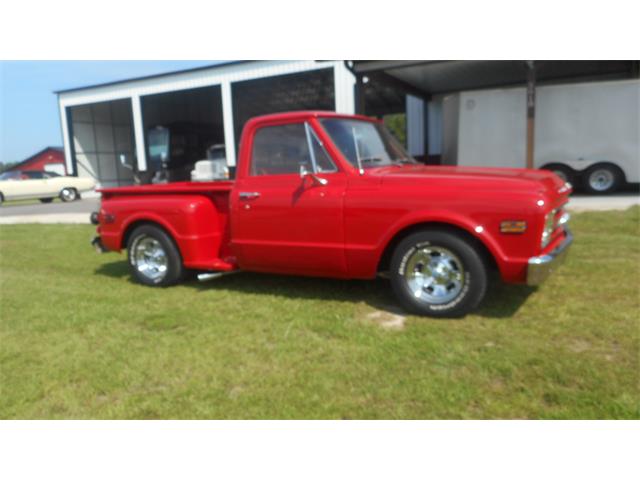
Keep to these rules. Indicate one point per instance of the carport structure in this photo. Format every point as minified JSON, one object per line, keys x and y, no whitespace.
{"x":201,"y":107}
{"x":418,"y":86}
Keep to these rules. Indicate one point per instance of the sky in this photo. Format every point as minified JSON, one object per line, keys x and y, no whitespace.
{"x":29,"y":117}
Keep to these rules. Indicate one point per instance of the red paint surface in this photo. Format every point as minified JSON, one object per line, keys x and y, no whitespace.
{"x":343,"y":228}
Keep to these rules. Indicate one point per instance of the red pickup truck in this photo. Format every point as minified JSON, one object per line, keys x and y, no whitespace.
{"x":330,"y":195}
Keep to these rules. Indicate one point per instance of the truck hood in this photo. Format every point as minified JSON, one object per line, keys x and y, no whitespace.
{"x":475,"y":178}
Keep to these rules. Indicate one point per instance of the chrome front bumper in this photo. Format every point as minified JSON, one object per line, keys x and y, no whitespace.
{"x":539,"y":268}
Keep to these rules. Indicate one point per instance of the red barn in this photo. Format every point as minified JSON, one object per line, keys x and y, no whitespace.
{"x":51,"y":159}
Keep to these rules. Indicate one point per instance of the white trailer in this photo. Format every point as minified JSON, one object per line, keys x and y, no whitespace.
{"x":588,"y":133}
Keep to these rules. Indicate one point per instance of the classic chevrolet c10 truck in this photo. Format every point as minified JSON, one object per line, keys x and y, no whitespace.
{"x":329,"y":195}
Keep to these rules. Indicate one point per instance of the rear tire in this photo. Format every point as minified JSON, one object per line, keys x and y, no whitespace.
{"x":438,"y":273}
{"x":603,"y":179}
{"x":69,"y":194}
{"x":154,"y":258}
{"x":46,"y":200}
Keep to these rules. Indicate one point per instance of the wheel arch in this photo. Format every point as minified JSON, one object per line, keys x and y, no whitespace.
{"x":135,"y":223}
{"x":551,"y":165}
{"x":486,"y":249}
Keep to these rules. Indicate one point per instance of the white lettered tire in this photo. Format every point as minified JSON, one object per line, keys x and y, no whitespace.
{"x":438,"y":273}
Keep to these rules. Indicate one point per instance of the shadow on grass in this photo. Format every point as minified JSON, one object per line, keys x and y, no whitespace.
{"x":502,"y":301}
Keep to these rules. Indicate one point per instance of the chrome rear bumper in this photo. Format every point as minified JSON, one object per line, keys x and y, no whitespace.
{"x":539,"y":268}
{"x":97,"y":244}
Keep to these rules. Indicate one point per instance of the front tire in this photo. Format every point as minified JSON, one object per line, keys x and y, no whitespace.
{"x":438,"y":273}
{"x":154,"y":259}
{"x":69,"y":194}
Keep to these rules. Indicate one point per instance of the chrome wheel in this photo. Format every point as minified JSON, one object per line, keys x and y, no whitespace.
{"x":601,"y":179}
{"x":149,"y":258}
{"x":68,"y":195}
{"x":434,"y":275}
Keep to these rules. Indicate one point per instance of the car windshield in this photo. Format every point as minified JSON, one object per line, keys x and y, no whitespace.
{"x":365,"y":144}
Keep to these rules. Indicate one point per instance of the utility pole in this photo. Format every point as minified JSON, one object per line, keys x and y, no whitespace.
{"x":531,"y":110}
{"x":359,"y":94}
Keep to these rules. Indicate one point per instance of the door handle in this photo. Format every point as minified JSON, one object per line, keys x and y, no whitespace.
{"x":248,"y":195}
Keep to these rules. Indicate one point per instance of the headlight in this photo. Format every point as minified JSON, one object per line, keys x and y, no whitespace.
{"x":549,"y":224}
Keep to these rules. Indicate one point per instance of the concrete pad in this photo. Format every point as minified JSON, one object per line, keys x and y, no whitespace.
{"x":85,"y":206}
{"x":54,"y":218}
{"x":601,"y":203}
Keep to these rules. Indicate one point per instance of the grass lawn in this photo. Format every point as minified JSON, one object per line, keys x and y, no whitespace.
{"x":29,"y":201}
{"x":78,"y":339}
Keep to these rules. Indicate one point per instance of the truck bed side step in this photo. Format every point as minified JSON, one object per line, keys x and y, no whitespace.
{"x":205,"y":276}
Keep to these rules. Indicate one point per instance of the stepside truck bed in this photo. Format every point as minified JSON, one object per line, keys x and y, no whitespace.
{"x":195,"y":214}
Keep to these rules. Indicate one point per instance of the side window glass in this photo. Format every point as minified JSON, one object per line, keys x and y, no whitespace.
{"x":34,"y":175}
{"x":324,"y":164}
{"x":280,"y":150}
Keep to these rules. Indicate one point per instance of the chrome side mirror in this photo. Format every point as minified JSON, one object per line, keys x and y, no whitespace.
{"x":316,"y":179}
{"x":304,"y":173}
{"x":123,"y":161}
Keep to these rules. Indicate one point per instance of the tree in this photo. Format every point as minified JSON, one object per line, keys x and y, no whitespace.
{"x":6,"y":166}
{"x":397,"y":124}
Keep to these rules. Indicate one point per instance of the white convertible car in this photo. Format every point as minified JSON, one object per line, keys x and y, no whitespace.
{"x":16,"y":185}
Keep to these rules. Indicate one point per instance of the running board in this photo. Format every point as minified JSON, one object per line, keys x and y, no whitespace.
{"x":205,"y":276}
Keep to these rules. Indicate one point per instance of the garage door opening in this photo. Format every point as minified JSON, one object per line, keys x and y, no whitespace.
{"x":100,"y":134}
{"x":313,"y":90}
{"x":192,"y":120}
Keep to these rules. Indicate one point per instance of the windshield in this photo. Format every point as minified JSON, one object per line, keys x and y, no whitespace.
{"x":365,"y":144}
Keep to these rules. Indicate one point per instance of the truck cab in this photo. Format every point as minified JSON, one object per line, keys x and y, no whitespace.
{"x":331,"y":195}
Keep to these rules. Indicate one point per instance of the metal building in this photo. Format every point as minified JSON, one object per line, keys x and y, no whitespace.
{"x":205,"y":106}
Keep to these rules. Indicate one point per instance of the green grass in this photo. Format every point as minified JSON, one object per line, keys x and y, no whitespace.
{"x":78,"y":339}
{"x":29,"y":201}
